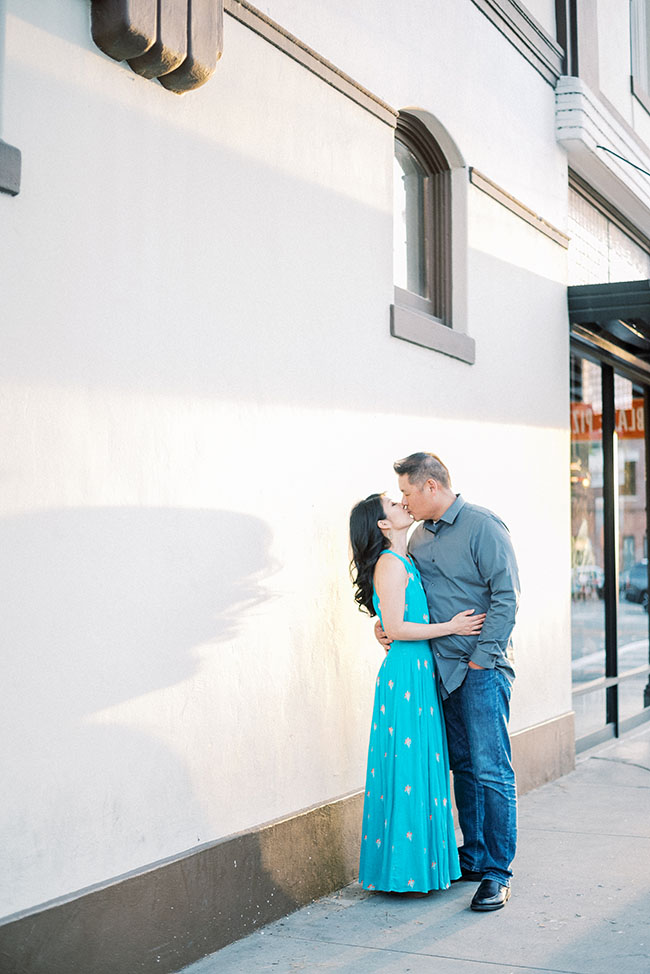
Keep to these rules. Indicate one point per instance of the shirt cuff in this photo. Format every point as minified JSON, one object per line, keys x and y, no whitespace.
{"x":482,"y":657}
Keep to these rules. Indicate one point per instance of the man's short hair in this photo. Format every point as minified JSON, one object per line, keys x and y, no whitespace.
{"x":420,"y":467}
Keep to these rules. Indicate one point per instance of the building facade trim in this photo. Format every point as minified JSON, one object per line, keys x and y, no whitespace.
{"x":166,"y":916}
{"x":276,"y":35}
{"x":519,"y":209}
{"x":518,"y":26}
{"x":584,"y":124}
{"x":10,"y":167}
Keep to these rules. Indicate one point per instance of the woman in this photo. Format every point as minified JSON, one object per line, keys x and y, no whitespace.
{"x":408,"y":842}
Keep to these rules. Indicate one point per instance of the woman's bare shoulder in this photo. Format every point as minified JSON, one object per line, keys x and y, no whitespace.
{"x":389,"y":568}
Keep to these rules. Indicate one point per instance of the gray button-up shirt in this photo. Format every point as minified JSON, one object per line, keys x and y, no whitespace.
{"x":466,"y":561}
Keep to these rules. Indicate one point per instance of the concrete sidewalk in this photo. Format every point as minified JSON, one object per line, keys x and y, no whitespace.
{"x":580,"y":902}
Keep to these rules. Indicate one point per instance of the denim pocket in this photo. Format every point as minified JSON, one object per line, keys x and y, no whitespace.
{"x":471,"y":669}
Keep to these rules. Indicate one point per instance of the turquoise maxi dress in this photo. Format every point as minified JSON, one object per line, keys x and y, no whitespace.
{"x":408,"y":840}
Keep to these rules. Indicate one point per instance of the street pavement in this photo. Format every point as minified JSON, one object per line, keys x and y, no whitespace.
{"x":580,"y":896}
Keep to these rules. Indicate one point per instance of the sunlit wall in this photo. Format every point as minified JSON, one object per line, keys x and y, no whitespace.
{"x":197,"y":382}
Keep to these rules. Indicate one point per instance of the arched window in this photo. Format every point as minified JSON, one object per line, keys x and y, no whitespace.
{"x":421,"y":221}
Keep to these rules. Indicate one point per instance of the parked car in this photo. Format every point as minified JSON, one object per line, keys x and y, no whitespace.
{"x":636,"y":583}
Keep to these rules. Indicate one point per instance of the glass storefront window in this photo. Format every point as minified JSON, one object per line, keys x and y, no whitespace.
{"x":609,"y":613}
{"x":590,"y":712}
{"x":633,"y":694}
{"x":587,"y":555}
{"x":625,"y":599}
{"x":632,"y":616}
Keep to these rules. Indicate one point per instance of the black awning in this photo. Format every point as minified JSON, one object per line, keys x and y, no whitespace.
{"x":618,"y":312}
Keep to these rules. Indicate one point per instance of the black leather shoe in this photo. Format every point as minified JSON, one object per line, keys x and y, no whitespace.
{"x":466,"y":875}
{"x":490,"y":896}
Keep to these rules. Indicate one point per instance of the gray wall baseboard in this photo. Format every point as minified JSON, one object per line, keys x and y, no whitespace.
{"x":166,"y":916}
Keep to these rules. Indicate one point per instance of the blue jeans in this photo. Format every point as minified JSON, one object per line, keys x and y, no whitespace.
{"x":484,"y":780}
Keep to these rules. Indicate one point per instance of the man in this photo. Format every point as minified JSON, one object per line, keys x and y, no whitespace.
{"x":465,"y":557}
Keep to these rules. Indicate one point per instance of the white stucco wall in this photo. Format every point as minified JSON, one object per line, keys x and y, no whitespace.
{"x":499,"y":110}
{"x":614,"y":54}
{"x":197,"y":383}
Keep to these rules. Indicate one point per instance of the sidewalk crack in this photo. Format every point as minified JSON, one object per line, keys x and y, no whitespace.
{"x":632,"y":764}
{"x":421,"y":953}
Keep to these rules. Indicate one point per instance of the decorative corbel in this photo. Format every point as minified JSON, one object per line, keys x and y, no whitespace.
{"x":176,"y":41}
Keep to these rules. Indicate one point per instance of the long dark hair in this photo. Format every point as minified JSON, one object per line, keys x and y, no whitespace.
{"x":367,"y":542}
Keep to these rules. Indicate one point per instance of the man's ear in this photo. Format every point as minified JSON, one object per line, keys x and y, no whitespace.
{"x":432,"y":485}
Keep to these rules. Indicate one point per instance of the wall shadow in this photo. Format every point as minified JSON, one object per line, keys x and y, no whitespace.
{"x":114,"y":599}
{"x":101,"y":606}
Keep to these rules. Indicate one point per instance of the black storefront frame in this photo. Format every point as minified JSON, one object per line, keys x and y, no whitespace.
{"x":602,"y":352}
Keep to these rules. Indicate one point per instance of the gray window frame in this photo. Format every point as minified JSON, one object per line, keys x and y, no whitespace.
{"x":437,"y":321}
{"x":640,"y":50}
{"x":412,"y":133}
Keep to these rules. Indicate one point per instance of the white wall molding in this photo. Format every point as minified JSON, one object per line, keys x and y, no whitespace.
{"x":275,"y":34}
{"x":517,"y":207}
{"x":525,"y":33}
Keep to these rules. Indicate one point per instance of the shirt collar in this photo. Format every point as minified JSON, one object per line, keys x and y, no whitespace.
{"x":449,"y":516}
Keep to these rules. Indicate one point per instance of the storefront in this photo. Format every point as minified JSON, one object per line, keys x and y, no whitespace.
{"x":602,"y":123}
{"x":610,"y":411}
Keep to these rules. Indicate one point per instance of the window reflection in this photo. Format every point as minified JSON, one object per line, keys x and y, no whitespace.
{"x":587,"y":556}
{"x":408,"y":215}
{"x":632,"y":618}
{"x":630,"y":561}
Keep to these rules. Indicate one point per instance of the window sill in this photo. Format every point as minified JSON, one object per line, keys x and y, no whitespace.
{"x":425,"y":330}
{"x":9,"y":169}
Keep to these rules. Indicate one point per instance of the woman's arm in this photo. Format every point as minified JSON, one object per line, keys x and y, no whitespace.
{"x":391,"y":579}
